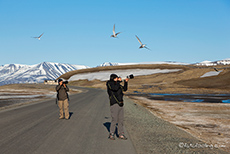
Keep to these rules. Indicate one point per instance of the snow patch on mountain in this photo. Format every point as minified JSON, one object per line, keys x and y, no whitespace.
{"x":215,"y":63}
{"x":120,"y":64}
{"x":108,"y":64}
{"x":211,"y":73}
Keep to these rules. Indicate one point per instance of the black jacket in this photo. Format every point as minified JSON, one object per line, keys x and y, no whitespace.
{"x":115,"y":91}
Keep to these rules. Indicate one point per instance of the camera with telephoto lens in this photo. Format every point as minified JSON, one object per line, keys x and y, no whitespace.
{"x":65,"y":82}
{"x":131,"y":76}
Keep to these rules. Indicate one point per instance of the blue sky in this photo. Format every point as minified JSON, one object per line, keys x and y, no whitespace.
{"x":78,"y":32}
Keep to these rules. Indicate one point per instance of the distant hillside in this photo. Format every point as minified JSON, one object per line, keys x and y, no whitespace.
{"x":186,"y":80}
{"x":122,"y":67}
{"x":221,"y":81}
{"x":141,"y":63}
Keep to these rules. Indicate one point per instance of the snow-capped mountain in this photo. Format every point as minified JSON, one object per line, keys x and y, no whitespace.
{"x":16,"y":73}
{"x":108,"y":64}
{"x":219,"y":62}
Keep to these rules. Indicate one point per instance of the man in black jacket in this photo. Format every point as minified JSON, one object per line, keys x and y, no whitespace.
{"x":63,"y":97}
{"x":115,"y":92}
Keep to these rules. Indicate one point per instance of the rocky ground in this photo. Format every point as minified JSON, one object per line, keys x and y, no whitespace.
{"x":153,"y":134}
{"x":208,"y":122}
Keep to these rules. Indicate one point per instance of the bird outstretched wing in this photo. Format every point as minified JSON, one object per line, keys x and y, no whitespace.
{"x":138,"y":40}
{"x":40,"y":35}
{"x":118,"y":33}
{"x":114,"y":29}
{"x":147,"y":48}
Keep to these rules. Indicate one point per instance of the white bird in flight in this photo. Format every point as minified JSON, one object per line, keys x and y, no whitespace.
{"x":39,"y":37}
{"x":142,"y":45}
{"x":114,"y":34}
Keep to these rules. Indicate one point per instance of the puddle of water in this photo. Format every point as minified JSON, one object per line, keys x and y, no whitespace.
{"x":192,"y":100}
{"x":181,"y":94}
{"x":207,"y":98}
{"x":226,"y":101}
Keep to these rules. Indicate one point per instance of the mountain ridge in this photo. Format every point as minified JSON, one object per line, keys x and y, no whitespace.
{"x":214,"y":63}
{"x":17,"y":73}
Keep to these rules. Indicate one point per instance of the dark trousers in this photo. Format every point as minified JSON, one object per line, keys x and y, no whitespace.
{"x":117,"y":114}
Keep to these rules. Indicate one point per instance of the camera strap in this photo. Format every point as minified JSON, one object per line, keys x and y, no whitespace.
{"x":113,"y":94}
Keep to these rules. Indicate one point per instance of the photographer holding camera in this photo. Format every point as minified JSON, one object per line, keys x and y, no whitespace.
{"x":115,"y":92}
{"x":62,"y":97}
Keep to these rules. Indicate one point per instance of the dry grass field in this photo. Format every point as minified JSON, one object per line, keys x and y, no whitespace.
{"x":20,"y":94}
{"x":143,"y":66}
{"x":185,"y":81}
{"x":29,"y":87}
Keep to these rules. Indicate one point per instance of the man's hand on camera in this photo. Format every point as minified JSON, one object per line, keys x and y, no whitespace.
{"x":119,"y":79}
{"x":127,"y":79}
{"x":115,"y":79}
{"x":61,"y":82}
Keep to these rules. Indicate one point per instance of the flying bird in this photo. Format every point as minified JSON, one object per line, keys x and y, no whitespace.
{"x":142,"y":45}
{"x":114,"y":34}
{"x":39,"y":37}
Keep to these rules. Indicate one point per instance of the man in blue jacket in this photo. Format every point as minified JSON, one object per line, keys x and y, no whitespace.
{"x":115,"y":92}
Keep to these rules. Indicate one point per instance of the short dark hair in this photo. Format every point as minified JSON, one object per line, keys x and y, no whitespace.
{"x":113,"y":76}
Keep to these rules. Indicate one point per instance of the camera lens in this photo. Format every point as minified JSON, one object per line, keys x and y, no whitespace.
{"x":65,"y":82}
{"x":131,"y":76}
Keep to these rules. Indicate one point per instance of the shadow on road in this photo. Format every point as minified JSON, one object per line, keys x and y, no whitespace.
{"x":107,"y":126}
{"x":70,"y":114}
